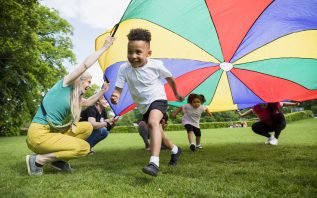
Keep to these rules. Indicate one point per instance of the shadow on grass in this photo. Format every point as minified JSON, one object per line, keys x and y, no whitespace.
{"x":234,"y":159}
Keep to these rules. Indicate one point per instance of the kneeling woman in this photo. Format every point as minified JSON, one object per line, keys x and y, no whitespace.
{"x":48,"y":136}
{"x":271,"y":120}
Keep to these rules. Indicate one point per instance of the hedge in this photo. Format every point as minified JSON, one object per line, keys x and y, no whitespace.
{"x":290,"y":117}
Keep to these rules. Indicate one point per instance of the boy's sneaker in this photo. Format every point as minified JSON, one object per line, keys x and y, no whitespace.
{"x":199,"y":146}
{"x":192,"y":147}
{"x":32,"y":168}
{"x":62,"y":166}
{"x":174,"y":157}
{"x":151,"y":169}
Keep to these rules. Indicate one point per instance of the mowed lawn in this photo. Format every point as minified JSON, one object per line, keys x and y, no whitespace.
{"x":233,"y":163}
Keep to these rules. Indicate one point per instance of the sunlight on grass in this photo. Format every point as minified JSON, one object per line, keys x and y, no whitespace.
{"x":233,"y":163}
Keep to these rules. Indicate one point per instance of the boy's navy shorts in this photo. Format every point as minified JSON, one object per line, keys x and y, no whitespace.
{"x":157,"y":104}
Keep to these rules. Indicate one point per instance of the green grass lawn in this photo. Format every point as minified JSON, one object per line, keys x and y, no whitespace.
{"x":233,"y":163}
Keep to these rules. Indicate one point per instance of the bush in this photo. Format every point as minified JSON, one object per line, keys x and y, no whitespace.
{"x":314,"y":109}
{"x":291,"y":117}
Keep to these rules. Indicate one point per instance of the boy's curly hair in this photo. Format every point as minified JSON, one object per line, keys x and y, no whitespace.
{"x":139,"y":34}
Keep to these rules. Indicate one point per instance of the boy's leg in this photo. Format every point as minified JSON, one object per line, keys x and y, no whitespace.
{"x":154,"y":125}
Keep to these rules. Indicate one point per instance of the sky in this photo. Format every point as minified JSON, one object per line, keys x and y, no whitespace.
{"x":89,"y":19}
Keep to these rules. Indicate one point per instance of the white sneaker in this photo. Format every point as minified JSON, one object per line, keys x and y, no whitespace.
{"x":269,"y":139}
{"x":273,"y":141}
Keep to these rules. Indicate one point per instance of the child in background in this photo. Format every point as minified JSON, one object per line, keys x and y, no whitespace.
{"x":192,"y":113}
{"x":143,"y":76}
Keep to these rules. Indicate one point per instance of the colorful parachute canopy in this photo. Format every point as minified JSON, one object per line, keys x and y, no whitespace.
{"x":235,"y":52}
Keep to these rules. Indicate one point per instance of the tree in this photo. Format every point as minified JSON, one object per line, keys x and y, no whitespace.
{"x":34,"y":44}
{"x":93,"y":89}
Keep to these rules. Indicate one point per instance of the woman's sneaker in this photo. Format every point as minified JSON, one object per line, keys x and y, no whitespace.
{"x":62,"y":166}
{"x":33,"y":170}
{"x":272,"y":140}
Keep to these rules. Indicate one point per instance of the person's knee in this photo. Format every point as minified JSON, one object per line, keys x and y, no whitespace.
{"x":255,"y":128}
{"x":86,"y":129}
{"x":104,"y":133}
{"x":153,"y":124}
{"x":81,"y":149}
{"x":198,"y":133}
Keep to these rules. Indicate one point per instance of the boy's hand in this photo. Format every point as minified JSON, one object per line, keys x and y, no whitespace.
{"x":179,"y":97}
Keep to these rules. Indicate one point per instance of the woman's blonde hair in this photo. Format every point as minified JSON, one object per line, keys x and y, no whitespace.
{"x":75,"y":100}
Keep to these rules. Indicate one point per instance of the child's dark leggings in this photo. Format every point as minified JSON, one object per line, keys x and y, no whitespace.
{"x":262,"y":128}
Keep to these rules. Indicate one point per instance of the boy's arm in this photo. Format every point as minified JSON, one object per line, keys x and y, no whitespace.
{"x":115,"y":96}
{"x":172,"y":83}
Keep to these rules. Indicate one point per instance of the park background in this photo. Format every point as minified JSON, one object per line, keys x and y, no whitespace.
{"x":37,"y":49}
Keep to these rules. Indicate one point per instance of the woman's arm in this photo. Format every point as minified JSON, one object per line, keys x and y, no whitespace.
{"x":291,"y":104}
{"x":245,"y":113}
{"x":95,"y":124}
{"x":90,"y":60}
{"x":94,"y":98}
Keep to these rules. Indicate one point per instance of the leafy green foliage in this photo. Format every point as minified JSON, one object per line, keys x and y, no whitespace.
{"x":291,"y":117}
{"x":34,"y":43}
{"x":92,"y":90}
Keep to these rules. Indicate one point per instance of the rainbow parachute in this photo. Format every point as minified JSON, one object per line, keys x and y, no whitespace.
{"x":235,"y":52}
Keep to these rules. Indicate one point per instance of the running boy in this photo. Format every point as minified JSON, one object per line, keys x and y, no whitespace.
{"x":192,"y":113}
{"x":143,"y":76}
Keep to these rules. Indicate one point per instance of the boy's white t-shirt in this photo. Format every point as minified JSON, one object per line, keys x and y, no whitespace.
{"x":144,"y":82}
{"x":192,"y":115}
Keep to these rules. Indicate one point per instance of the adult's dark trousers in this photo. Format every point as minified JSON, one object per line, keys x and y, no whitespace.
{"x":263,"y":129}
{"x":96,"y":136}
